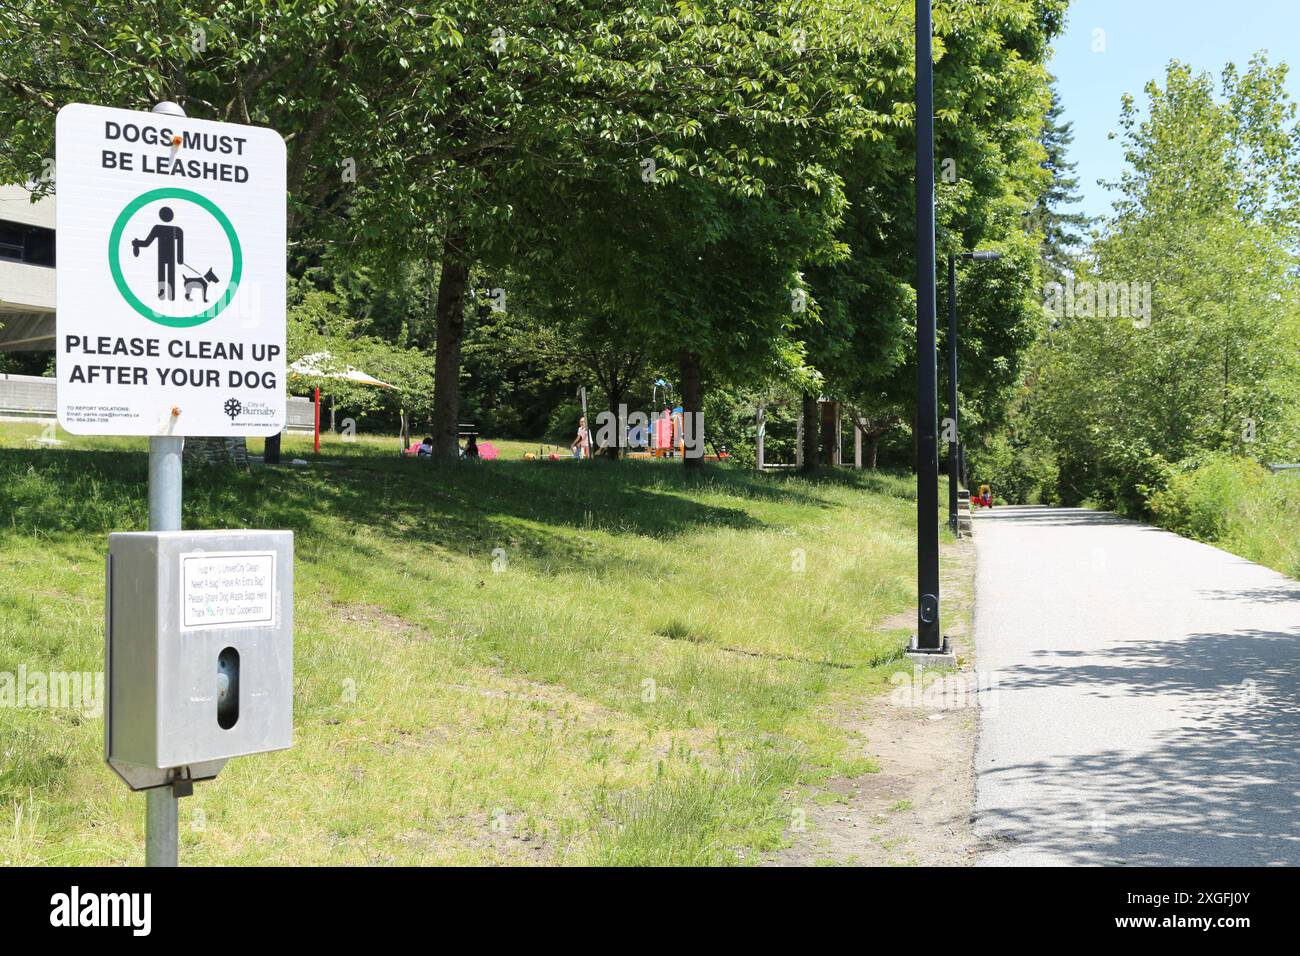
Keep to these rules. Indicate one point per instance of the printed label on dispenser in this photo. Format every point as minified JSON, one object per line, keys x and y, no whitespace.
{"x":227,"y":589}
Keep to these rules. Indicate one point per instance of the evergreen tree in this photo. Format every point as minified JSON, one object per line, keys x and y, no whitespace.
{"x":1062,"y":230}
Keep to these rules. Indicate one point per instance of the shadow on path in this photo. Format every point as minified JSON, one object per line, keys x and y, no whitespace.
{"x":1221,"y":789}
{"x":1120,"y":747}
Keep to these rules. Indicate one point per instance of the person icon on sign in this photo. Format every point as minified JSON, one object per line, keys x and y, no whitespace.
{"x":171,"y":250}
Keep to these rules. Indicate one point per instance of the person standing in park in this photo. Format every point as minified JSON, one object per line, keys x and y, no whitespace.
{"x":582,"y":443}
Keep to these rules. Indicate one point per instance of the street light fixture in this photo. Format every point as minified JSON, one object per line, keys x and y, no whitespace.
{"x":954,"y":445}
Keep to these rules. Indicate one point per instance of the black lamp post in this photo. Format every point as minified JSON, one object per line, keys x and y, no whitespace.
{"x":929,"y":639}
{"x":981,"y":255}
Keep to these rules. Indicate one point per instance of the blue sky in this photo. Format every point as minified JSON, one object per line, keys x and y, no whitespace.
{"x":1140,"y":37}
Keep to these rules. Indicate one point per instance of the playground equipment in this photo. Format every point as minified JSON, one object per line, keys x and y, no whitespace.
{"x":555,"y":454}
{"x":662,"y":437}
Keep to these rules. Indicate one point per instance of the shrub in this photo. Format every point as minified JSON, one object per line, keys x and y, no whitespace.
{"x":1019,"y":472}
{"x":1200,"y":496}
{"x":1236,"y":503}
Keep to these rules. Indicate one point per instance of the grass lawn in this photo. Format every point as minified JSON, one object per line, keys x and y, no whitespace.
{"x":496,"y":662}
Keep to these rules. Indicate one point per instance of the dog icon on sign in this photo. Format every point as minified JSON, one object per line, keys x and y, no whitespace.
{"x":200,"y":282}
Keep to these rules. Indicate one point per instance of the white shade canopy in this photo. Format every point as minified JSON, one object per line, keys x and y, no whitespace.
{"x":316,"y":363}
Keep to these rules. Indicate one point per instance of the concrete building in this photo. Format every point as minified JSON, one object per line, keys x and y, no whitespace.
{"x":26,"y":271}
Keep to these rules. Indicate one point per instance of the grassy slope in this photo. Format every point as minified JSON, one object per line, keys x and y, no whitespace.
{"x":1263,"y":524}
{"x":1236,"y":504}
{"x":640,"y":682}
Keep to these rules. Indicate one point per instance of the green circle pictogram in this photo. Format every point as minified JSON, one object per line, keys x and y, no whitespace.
{"x":115,"y":265}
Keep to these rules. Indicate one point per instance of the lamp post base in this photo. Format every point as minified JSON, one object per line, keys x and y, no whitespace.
{"x":944,"y":656}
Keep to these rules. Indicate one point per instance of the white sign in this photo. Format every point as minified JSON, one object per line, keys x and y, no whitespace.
{"x":227,"y":589}
{"x":170,"y":257}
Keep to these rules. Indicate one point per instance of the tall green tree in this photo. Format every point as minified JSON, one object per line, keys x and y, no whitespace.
{"x":991,"y":96}
{"x":1206,"y":218}
{"x":689,"y":231}
{"x":325,"y":74}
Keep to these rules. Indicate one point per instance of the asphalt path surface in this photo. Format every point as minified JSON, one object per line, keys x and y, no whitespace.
{"x":1139,"y":703}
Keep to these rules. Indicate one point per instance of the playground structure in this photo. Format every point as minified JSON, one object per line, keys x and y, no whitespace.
{"x":662,"y":437}
{"x":543,"y":455}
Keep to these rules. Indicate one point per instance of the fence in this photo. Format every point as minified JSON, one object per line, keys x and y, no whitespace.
{"x":32,"y":396}
{"x":27,"y":396}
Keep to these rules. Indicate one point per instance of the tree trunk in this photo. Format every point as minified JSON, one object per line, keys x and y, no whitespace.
{"x":810,"y":433}
{"x":693,"y":404}
{"x":875,"y":449}
{"x":829,"y":433}
{"x":614,"y":451}
{"x":450,"y":333}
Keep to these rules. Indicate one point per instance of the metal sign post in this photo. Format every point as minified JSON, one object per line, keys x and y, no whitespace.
{"x":952,"y":393}
{"x":162,"y":806}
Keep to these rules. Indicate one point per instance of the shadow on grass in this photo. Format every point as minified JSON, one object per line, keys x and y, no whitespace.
{"x":464,"y":508}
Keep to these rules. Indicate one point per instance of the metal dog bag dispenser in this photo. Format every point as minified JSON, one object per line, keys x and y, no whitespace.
{"x":198,"y":652}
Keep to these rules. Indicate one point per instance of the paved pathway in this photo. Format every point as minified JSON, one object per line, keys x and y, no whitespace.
{"x":1146,"y":704}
